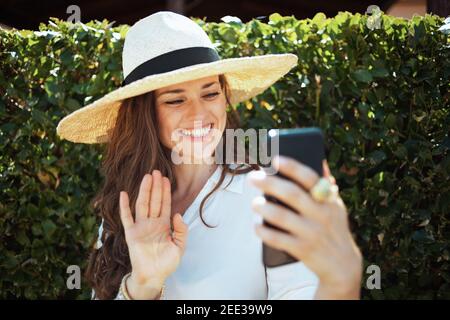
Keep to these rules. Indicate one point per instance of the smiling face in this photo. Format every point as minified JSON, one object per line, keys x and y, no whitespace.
{"x":192,"y":116}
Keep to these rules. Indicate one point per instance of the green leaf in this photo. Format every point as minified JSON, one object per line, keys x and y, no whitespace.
{"x":48,"y":227}
{"x":422,"y":236}
{"x":319,"y":19}
{"x":376,"y":157}
{"x":390,"y":120}
{"x":22,"y":238}
{"x":362,"y":75}
{"x":275,"y":17}
{"x":379,"y":72}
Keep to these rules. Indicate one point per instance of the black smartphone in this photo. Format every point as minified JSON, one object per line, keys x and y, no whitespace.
{"x":307,"y":146}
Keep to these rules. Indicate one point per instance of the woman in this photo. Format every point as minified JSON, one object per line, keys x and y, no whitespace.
{"x":164,"y":188}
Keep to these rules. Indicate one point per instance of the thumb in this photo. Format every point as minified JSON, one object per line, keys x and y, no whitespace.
{"x":180,"y":230}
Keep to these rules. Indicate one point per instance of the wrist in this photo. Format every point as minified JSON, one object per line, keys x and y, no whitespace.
{"x":144,"y":288}
{"x":326,"y":292}
{"x":146,"y":281}
{"x":348,"y":287}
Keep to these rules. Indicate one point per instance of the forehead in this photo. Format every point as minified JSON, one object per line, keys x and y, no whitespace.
{"x":190,"y":84}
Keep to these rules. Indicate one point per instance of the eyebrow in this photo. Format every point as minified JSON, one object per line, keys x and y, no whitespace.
{"x":181,"y":90}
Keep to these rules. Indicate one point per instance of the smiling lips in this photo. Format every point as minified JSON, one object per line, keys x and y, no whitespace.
{"x":197,"y":133}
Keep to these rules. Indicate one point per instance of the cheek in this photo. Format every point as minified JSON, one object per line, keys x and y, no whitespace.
{"x":167,"y":123}
{"x":220,"y":113}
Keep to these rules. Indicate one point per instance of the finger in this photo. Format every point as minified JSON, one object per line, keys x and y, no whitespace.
{"x":166,"y":199}
{"x":326,"y":169}
{"x":180,"y":231}
{"x":300,"y":173}
{"x":332,"y":179}
{"x":125,"y":211}
{"x":156,"y":196}
{"x":327,"y":172}
{"x":277,"y":239}
{"x":281,"y":217}
{"x":286,"y":191}
{"x":142,"y":201}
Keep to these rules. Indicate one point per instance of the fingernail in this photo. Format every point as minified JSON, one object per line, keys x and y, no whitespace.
{"x":258,"y":201}
{"x":257,"y":175}
{"x":278,"y":160}
{"x":281,"y":159}
{"x":275,"y":161}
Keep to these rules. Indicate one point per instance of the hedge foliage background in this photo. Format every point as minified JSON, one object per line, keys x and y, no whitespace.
{"x":380,"y":94}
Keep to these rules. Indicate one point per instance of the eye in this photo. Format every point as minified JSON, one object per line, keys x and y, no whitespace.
{"x":174,"y":102}
{"x":212,"y":94}
{"x":209,"y":95}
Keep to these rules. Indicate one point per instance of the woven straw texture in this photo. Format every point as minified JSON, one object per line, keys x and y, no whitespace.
{"x":247,"y":77}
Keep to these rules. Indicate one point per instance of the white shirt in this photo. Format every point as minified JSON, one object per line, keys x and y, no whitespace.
{"x":226,"y":262}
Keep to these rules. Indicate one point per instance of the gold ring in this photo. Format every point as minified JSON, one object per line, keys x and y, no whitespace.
{"x":323,"y":190}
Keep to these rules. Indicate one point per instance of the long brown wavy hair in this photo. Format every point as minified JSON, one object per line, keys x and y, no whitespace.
{"x":133,"y":150}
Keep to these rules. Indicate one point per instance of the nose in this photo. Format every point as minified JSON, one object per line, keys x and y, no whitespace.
{"x":197,"y":112}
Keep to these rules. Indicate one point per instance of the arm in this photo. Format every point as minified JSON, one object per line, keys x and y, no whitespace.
{"x":155,"y":238}
{"x":151,"y":291}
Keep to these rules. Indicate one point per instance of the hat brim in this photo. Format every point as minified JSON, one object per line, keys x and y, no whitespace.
{"x":247,"y":77}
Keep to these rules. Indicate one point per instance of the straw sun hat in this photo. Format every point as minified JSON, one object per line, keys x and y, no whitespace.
{"x":163,"y":49}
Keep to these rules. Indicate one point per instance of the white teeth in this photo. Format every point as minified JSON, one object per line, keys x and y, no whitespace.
{"x":197,"y":132}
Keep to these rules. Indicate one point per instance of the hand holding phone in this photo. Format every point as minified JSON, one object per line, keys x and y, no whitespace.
{"x":320,"y":237}
{"x":307,"y":146}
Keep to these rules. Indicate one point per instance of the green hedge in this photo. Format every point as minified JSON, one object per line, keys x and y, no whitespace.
{"x":380,"y":94}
